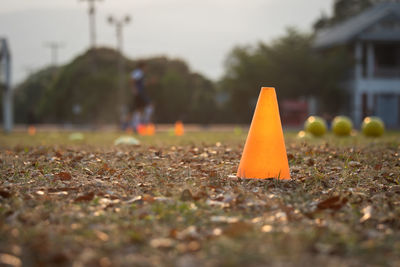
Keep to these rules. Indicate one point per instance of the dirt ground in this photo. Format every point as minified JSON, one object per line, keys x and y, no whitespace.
{"x":174,"y":201}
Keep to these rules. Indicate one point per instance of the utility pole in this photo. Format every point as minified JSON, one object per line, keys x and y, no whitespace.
{"x":54,"y":47}
{"x":92,"y":21}
{"x":119,"y":24}
{"x":5,"y":85}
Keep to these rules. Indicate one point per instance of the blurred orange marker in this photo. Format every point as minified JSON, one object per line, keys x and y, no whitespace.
{"x":141,"y":129}
{"x":179,"y":130}
{"x":264,"y":155}
{"x":150,"y":129}
{"x":31,"y":130}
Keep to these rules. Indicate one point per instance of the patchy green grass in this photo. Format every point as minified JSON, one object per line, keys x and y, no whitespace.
{"x":175,"y":202}
{"x":107,"y":139}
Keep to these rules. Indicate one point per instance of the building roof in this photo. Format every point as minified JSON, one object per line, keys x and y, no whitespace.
{"x":350,"y":29}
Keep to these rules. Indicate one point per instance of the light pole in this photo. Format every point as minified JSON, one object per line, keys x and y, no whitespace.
{"x":92,"y":21}
{"x":54,"y":47}
{"x":119,"y":24}
{"x":5,"y":85}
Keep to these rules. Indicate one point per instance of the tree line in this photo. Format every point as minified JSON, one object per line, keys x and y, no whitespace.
{"x":84,"y":90}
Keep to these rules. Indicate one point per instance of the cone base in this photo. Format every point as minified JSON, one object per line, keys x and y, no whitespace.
{"x":271,"y":178}
{"x":285,"y":176}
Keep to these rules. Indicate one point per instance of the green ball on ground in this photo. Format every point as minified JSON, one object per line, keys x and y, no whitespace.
{"x":342,"y":126}
{"x":315,"y":125}
{"x":373,"y":127}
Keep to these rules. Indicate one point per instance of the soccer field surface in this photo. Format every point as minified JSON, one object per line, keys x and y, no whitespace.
{"x":175,"y":201}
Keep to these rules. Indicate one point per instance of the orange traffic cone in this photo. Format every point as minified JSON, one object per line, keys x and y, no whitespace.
{"x":179,"y":130}
{"x":264,"y":155}
{"x":31,"y":130}
{"x":141,"y":129}
{"x":150,"y":129}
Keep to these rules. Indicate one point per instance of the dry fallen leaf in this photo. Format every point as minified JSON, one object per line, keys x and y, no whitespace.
{"x":5,"y":193}
{"x":148,"y":198}
{"x":224,"y":219}
{"x":101,"y":235}
{"x":40,"y":193}
{"x":266,"y":228}
{"x":189,"y":233}
{"x":186,"y":195}
{"x":237,"y":229}
{"x":334,"y":203}
{"x":192,"y":246}
{"x":161,"y":243}
{"x":354,"y":164}
{"x":63,"y":176}
{"x":9,"y":260}
{"x":378,"y":167}
{"x":137,"y":199}
{"x":85,"y":197}
{"x":367,"y":211}
{"x":214,"y":203}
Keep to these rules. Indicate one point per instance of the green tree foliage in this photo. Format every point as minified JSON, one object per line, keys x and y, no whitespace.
{"x":178,"y":93}
{"x":91,"y":82}
{"x":29,"y":94}
{"x":289,"y":64}
{"x":345,"y":9}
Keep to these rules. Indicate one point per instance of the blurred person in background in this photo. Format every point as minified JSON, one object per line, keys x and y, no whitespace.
{"x":328,"y":118}
{"x":142,"y":107}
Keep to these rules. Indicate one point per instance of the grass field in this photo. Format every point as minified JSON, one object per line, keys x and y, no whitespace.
{"x":175,"y":202}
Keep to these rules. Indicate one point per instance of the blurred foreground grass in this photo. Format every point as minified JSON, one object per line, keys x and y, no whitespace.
{"x":175,"y":201}
{"x":103,"y":139}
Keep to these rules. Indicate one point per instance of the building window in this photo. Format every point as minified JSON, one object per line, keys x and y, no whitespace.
{"x":387,"y":60}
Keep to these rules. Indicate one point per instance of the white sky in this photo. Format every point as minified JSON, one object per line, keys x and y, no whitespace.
{"x":202,"y":32}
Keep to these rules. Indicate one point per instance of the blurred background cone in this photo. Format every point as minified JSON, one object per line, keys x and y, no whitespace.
{"x":179,"y":130}
{"x":31,"y":130}
{"x":264,"y":154}
{"x":141,"y":129}
{"x":150,"y":129}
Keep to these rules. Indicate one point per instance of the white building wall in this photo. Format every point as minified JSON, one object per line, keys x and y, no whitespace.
{"x":370,"y":85}
{"x":374,"y":87}
{"x":379,"y":86}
